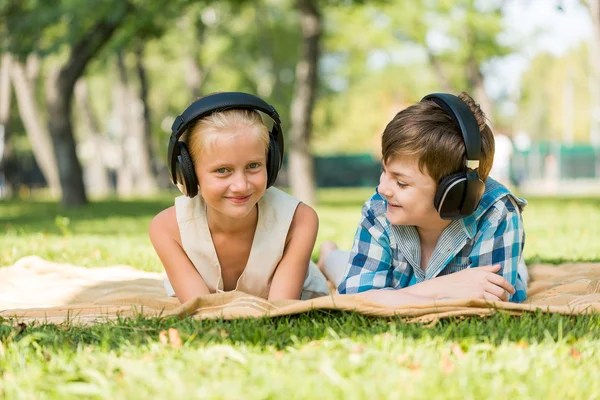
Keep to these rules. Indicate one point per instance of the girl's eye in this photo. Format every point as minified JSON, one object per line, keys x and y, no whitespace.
{"x":253,"y":165}
{"x":221,"y":171}
{"x":402,"y":185}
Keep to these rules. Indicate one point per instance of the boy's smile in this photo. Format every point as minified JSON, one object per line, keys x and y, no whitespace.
{"x":408,"y":192}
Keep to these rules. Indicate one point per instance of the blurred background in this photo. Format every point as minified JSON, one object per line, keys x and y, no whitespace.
{"x":89,"y":89}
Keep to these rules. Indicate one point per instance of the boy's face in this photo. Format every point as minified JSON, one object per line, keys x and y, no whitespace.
{"x":409,"y":193}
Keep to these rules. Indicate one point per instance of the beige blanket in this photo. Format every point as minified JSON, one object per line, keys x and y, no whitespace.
{"x":37,"y":290}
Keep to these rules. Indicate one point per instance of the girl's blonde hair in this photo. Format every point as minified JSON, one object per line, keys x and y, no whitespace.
{"x":205,"y":131}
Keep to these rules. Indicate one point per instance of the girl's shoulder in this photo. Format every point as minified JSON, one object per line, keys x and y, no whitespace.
{"x":189,"y":208}
{"x":164,"y":225}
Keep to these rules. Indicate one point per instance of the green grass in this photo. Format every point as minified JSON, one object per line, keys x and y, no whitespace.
{"x":115,"y":232}
{"x":320,"y":354}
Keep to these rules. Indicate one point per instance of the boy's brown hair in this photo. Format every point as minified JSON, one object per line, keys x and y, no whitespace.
{"x":425,"y":130}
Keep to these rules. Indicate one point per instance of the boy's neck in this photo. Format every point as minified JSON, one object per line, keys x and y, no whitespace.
{"x":429,"y":235}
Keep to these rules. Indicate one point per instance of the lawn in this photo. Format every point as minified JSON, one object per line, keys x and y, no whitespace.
{"x":315,"y":355}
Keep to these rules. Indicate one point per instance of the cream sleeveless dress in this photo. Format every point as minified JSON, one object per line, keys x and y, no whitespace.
{"x":275,"y":212}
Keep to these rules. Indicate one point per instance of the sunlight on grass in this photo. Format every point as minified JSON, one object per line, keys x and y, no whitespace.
{"x":115,"y":232}
{"x":320,"y":354}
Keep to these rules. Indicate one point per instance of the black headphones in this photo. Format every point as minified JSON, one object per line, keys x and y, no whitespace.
{"x":181,"y":167}
{"x":458,"y":194}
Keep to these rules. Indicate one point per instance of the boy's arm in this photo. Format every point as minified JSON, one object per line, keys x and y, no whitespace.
{"x":501,"y":242}
{"x":370,"y":259}
{"x":497,"y":251}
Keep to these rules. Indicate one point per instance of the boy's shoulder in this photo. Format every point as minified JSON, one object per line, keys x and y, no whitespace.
{"x":375,"y":206}
{"x":497,"y":198}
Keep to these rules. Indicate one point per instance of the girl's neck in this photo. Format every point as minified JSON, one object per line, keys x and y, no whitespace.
{"x":221,"y":223}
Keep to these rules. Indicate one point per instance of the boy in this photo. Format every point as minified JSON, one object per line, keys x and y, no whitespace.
{"x":436,"y":214}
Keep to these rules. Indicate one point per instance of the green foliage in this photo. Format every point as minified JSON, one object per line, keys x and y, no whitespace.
{"x":542,"y":106}
{"x":45,"y":26}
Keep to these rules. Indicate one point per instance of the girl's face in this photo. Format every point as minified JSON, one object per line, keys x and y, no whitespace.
{"x":232,"y":172}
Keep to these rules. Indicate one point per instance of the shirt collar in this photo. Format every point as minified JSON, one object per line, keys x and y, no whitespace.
{"x":494,"y":191}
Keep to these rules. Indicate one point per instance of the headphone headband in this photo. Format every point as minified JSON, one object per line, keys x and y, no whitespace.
{"x":220,"y":102}
{"x":459,"y":193}
{"x":464,"y":118}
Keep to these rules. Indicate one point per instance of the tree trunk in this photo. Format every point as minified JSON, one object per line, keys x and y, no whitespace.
{"x":147,"y":173}
{"x":194,"y":73}
{"x":93,"y":146}
{"x":59,"y":93}
{"x":6,"y":188}
{"x":594,"y":62}
{"x":136,"y":176}
{"x":301,"y":164}
{"x":476,"y":84}
{"x":439,"y":72}
{"x":38,"y":135}
{"x":121,"y":112}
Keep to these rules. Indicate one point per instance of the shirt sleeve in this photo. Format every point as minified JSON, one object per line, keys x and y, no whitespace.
{"x":501,"y":242}
{"x":370,"y":263}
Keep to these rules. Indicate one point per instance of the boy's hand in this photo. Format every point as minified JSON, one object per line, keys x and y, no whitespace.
{"x":474,"y":283}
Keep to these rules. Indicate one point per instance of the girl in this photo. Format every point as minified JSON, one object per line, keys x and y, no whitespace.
{"x":231,"y":230}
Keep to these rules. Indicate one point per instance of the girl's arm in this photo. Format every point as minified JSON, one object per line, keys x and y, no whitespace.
{"x":165,"y":237}
{"x":291,"y":272}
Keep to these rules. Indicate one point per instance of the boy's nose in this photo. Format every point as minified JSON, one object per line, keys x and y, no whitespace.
{"x":384,"y":188}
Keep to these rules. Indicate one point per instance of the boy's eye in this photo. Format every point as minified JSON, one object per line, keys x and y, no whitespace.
{"x":402,"y":185}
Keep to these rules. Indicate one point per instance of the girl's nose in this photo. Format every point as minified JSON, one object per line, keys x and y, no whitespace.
{"x":239,"y":183}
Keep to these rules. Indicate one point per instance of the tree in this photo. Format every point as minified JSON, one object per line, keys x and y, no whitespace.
{"x":301,"y":168}
{"x":594,"y":62}
{"x":5,"y":148}
{"x":81,"y":31}
{"x":24,"y":77}
{"x":59,"y":94}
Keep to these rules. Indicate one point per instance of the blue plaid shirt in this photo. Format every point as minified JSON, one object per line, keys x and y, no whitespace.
{"x":386,"y":256}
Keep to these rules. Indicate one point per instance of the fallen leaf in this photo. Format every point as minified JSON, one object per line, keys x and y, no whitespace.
{"x":401,"y":359}
{"x":447,"y":365}
{"x":358,"y":349}
{"x":414,"y":367}
{"x":162,"y":338}
{"x":174,"y":338}
{"x":575,"y":353}
{"x":457,"y":351}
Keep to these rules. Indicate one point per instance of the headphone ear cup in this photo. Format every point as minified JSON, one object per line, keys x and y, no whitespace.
{"x":273,"y":161}
{"x":473,"y":194}
{"x":450,"y":196}
{"x":186,"y":176}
